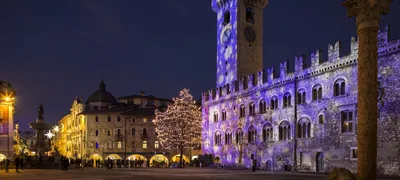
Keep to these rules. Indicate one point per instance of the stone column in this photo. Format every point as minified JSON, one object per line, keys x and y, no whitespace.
{"x":368,"y":14}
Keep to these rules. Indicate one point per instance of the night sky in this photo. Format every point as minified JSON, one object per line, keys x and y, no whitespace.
{"x":52,"y":51}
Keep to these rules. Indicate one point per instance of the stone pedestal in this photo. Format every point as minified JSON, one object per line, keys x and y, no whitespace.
{"x":368,"y":15}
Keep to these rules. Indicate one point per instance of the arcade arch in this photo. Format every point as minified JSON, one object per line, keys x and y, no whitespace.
{"x":136,"y":157}
{"x":2,"y":157}
{"x":177,"y":158}
{"x":113,"y":156}
{"x":158,"y":159}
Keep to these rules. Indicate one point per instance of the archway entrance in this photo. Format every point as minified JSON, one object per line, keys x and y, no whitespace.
{"x":96,"y":159}
{"x":2,"y":157}
{"x":158,"y":160}
{"x":113,"y":157}
{"x":268,"y":165}
{"x":320,"y":162}
{"x":137,"y":157}
{"x":177,"y":158}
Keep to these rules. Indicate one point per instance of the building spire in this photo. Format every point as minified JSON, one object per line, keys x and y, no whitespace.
{"x":102,"y":85}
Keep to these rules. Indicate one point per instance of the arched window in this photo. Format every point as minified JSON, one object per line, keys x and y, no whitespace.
{"x":347,"y":119}
{"x":97,"y":132}
{"x":97,"y":145}
{"x":133,"y":131}
{"x":301,"y":96}
{"x":339,"y":87}
{"x":228,"y":137}
{"x":274,"y":102}
{"x":118,"y":132}
{"x":262,"y":106}
{"x":109,"y":118}
{"x":215,"y":116}
{"x":227,"y":18}
{"x":144,"y":132}
{"x":252,"y":134}
{"x":97,"y":118}
{"x":156,"y":144}
{"x":267,"y":133}
{"x":284,"y":131}
{"x":242,"y":111}
{"x":287,"y":100}
{"x":304,"y":128}
{"x":119,"y":118}
{"x":321,"y":119}
{"x":250,"y":15}
{"x":252,"y":108}
{"x":317,"y":92}
{"x":133,"y":145}
{"x":224,"y":115}
{"x":239,"y":136}
{"x":109,"y":132}
{"x":217,"y":138}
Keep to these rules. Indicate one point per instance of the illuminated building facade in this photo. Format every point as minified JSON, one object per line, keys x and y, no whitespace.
{"x":106,"y":127}
{"x":306,"y":118}
{"x":7,"y":97}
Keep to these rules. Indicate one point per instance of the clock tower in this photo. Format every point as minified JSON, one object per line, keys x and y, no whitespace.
{"x":239,"y":38}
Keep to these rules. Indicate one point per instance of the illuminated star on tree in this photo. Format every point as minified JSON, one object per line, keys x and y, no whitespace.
{"x":49,"y":134}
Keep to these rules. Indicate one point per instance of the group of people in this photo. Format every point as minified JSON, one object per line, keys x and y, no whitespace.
{"x":5,"y":164}
{"x":66,"y":162}
{"x":111,"y":163}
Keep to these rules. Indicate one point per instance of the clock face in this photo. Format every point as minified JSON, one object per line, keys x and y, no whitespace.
{"x":250,"y":34}
{"x":226,"y":35}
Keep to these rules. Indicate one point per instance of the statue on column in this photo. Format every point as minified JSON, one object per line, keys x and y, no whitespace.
{"x":40,"y":112}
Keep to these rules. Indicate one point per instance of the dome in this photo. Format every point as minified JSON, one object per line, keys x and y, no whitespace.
{"x":102,"y":95}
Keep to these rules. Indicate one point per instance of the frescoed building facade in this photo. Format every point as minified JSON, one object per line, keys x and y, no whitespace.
{"x":306,"y":118}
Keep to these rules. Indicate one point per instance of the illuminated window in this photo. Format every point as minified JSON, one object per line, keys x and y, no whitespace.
{"x":317,"y":92}
{"x":133,"y":131}
{"x":353,"y":153}
{"x":144,"y":120}
{"x":97,"y":132}
{"x":227,"y":17}
{"x":304,"y":128}
{"x":109,"y":118}
{"x":267,"y":133}
{"x":217,"y":138}
{"x":252,"y":134}
{"x":252,"y":108}
{"x":347,"y":118}
{"x":97,"y":145}
{"x":228,"y":137}
{"x":109,"y":132}
{"x":144,"y":144}
{"x":156,"y":144}
{"x":119,"y":145}
{"x":339,"y":87}
{"x":301,"y":96}
{"x":239,"y":136}
{"x":97,"y":118}
{"x":242,"y":111}
{"x":284,"y":131}
{"x":215,"y":117}
{"x":250,"y":15}
{"x":321,"y":119}
{"x":274,"y":103}
{"x":224,"y":115}
{"x":262,"y":106}
{"x":287,"y":100}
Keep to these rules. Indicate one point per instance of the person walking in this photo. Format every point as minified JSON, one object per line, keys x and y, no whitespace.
{"x":7,"y":164}
{"x":16,"y":164}
{"x":253,"y":167}
{"x":21,"y":163}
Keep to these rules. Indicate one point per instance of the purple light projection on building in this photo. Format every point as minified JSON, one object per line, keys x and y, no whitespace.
{"x":311,"y":111}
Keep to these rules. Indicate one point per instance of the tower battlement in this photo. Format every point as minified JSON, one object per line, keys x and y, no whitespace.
{"x":335,"y":60}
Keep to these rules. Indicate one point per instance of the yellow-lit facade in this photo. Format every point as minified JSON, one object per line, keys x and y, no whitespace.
{"x":7,"y":99}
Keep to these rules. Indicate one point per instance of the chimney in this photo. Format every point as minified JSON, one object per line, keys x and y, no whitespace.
{"x":142,"y":93}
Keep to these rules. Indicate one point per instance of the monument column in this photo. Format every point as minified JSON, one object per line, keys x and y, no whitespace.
{"x":368,"y":14}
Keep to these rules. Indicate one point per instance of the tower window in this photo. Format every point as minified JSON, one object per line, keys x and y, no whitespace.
{"x":250,"y":15}
{"x":227,"y":18}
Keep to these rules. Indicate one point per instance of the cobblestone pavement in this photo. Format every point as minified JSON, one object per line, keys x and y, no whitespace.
{"x":155,"y":174}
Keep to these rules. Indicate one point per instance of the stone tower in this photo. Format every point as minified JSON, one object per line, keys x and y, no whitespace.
{"x":239,"y":38}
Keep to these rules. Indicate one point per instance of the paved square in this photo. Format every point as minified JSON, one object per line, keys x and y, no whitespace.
{"x":155,"y":174}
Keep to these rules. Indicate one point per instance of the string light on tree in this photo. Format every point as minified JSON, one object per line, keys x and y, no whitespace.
{"x":179,"y":124}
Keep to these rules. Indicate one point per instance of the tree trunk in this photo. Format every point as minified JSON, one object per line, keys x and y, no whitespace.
{"x":181,"y":158}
